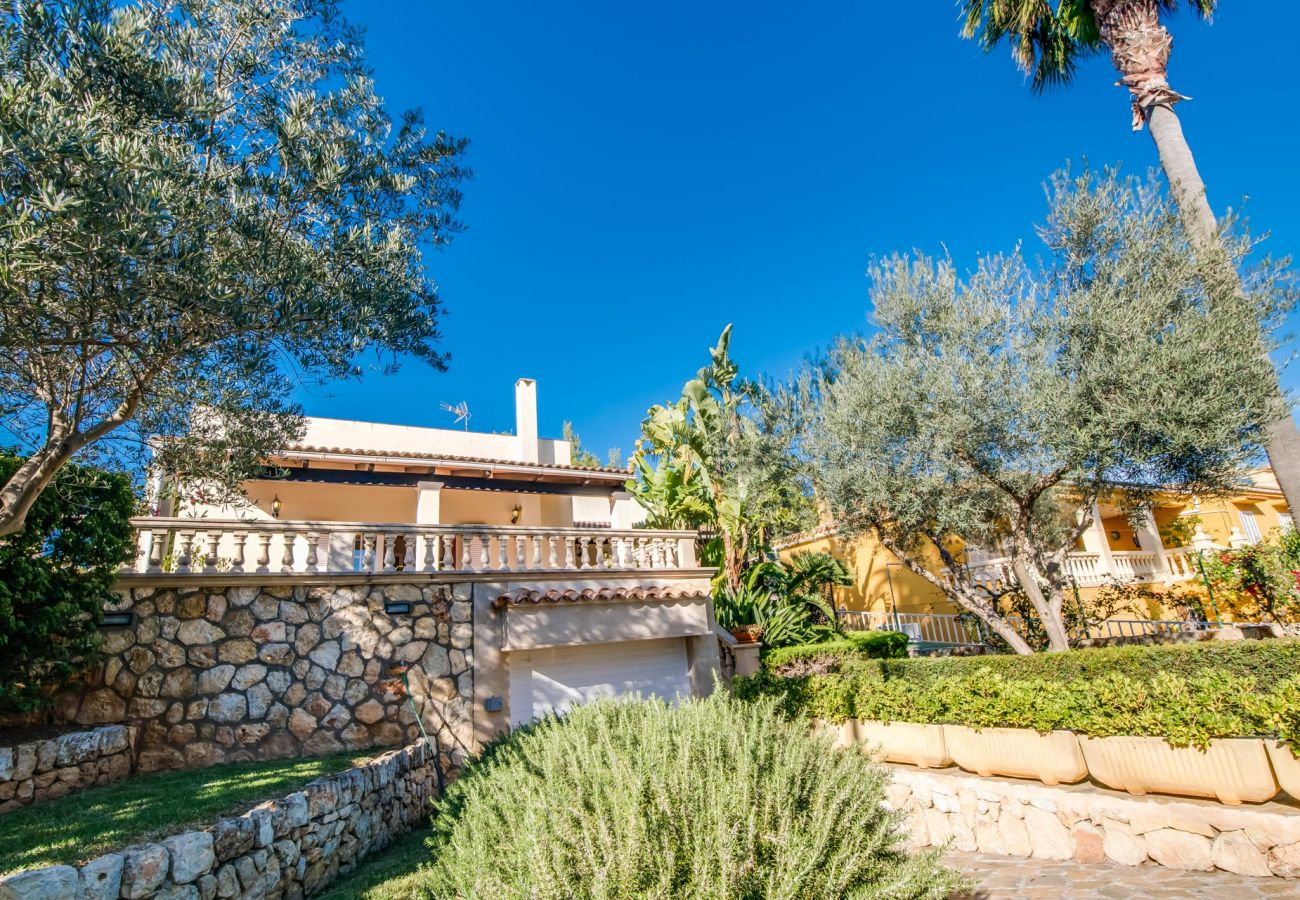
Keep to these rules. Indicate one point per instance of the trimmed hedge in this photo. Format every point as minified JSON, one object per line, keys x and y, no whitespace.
{"x":1188,"y":695}
{"x":829,"y":654}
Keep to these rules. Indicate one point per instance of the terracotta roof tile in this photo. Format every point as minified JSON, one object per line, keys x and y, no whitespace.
{"x":449,"y":457}
{"x":598,"y":595}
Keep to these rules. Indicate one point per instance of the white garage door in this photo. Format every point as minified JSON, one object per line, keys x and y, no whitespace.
{"x":560,"y":677}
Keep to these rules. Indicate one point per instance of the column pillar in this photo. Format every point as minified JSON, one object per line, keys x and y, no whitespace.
{"x":428,"y":505}
{"x":1095,"y":541}
{"x":624,"y":510}
{"x":1148,"y":536}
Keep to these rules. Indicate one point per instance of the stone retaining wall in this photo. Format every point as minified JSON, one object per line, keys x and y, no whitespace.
{"x":284,"y":849}
{"x":211,"y":672}
{"x":1090,"y":824}
{"x":43,"y":769}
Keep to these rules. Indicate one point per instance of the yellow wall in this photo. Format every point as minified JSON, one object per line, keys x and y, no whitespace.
{"x":874,"y":570}
{"x":334,"y":502}
{"x":870,"y":563}
{"x":491,"y":508}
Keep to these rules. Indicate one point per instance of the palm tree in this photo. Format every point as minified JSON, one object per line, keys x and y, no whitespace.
{"x":1048,"y":39}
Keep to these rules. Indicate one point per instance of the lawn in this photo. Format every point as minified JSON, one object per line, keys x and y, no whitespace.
{"x":78,"y":827}
{"x":389,"y":875}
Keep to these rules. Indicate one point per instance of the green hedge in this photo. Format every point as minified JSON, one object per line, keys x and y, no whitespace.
{"x":1186,"y":694}
{"x":828,"y":654}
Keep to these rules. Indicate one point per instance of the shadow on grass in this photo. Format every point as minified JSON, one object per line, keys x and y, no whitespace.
{"x":78,"y":827}
{"x":391,"y":874}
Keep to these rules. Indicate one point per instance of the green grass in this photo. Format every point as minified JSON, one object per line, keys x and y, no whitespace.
{"x":78,"y":827}
{"x":390,"y":875}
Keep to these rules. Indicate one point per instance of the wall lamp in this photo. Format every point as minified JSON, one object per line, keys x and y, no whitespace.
{"x":117,"y":619}
{"x":275,"y":506}
{"x":515,"y":514}
{"x":397,"y":607}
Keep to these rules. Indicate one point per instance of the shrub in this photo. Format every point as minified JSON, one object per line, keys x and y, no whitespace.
{"x":710,"y":799}
{"x":803,"y":659}
{"x":55,"y":576}
{"x":1188,"y":695}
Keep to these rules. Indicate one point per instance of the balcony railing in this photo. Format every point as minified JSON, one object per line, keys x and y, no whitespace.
{"x":965,"y":630}
{"x":231,"y":546}
{"x":1090,"y":569}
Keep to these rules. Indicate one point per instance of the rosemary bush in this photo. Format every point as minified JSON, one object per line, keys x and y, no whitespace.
{"x":710,"y":799}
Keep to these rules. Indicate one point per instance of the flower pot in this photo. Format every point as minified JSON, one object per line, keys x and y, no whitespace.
{"x":1052,"y":758}
{"x":747,"y":635}
{"x":906,"y":742}
{"x":844,"y":733}
{"x":1285,"y":766}
{"x":1231,"y":770}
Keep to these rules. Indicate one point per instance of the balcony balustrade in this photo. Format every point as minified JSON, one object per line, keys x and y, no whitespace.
{"x":1092,"y":569}
{"x":230,"y":546}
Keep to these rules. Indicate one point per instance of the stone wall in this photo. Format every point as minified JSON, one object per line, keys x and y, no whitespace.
{"x":1022,"y":818}
{"x":45,"y":768}
{"x":225,"y":673}
{"x":284,"y":849}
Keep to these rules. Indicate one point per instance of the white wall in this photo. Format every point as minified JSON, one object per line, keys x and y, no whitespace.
{"x":377,"y":436}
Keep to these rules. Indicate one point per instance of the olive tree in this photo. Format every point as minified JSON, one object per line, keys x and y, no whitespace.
{"x":202,"y":204}
{"x":993,"y":408}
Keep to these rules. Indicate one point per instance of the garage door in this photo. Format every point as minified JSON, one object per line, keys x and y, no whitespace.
{"x":560,"y":677}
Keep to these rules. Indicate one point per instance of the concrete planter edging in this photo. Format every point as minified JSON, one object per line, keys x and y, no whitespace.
{"x":1052,"y":758}
{"x":1231,"y":770}
{"x":923,"y":746}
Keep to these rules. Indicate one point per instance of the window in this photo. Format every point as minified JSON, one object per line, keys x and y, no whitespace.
{"x":1250,"y":526}
{"x":1285,"y":522}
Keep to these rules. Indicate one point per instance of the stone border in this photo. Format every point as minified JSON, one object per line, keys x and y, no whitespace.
{"x":1088,"y":824}
{"x":51,"y":767}
{"x":283,"y":849}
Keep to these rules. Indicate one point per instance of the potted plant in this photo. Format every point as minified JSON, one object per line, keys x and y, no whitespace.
{"x":901,"y":723}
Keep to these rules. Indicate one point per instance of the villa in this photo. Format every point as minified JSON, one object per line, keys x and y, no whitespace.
{"x":1159,"y":552}
{"x":378,"y":572}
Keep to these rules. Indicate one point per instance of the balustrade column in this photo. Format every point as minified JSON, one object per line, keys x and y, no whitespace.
{"x":313,"y":550}
{"x":237,"y":540}
{"x":157,"y":550}
{"x":184,"y":543}
{"x":368,"y":542}
{"x":287,"y":540}
{"x":212,"y":546}
{"x":263,"y":551}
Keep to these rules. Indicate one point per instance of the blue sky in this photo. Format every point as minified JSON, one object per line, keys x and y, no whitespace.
{"x":645,"y":174}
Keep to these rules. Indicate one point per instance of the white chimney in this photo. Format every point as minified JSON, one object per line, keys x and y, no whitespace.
{"x":526,"y":418}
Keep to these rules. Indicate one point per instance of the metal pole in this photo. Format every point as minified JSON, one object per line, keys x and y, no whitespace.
{"x":893,"y":601}
{"x":1209,"y":589}
{"x":433,"y":748}
{"x":1083,"y":616}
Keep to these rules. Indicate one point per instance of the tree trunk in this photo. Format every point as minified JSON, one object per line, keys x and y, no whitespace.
{"x":1048,"y":612}
{"x":25,"y":485}
{"x":1139,"y":45}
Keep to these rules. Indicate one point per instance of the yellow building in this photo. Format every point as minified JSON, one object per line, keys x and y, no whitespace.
{"x":1158,"y":553}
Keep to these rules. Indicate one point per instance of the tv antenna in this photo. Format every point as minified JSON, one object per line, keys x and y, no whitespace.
{"x":460,"y":411}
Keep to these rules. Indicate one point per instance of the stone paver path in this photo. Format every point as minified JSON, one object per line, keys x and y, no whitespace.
{"x":1003,"y":877}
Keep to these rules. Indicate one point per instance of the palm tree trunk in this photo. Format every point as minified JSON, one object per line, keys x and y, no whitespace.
{"x":1189,"y":192}
{"x":1139,"y":46}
